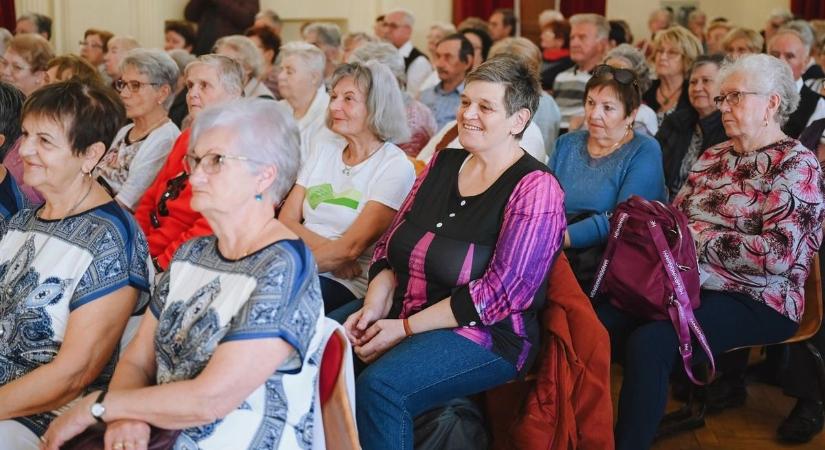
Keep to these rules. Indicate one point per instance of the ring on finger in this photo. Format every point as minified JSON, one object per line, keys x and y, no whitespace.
{"x":118,"y":446}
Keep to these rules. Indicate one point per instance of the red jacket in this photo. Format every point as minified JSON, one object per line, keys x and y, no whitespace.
{"x":570,"y":406}
{"x":182,"y":223}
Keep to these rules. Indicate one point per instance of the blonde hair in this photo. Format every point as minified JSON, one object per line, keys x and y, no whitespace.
{"x":755,"y":40}
{"x":682,"y":37}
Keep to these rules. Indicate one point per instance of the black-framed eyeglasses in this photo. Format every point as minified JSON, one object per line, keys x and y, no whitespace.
{"x":173,"y":189}
{"x":134,"y":85}
{"x":211,"y":162}
{"x":622,"y":76}
{"x":733,"y":98}
{"x":89,"y":44}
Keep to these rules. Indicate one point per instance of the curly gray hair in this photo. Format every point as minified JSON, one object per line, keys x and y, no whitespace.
{"x":767,"y":75}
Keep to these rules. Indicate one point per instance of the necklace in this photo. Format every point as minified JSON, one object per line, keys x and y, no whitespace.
{"x":252,"y":246}
{"x":666,"y":99}
{"x":347,"y":170}
{"x":149,"y":130}
{"x":613,"y":147}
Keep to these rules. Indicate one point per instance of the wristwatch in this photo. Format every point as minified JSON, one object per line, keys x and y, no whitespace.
{"x":97,"y":409}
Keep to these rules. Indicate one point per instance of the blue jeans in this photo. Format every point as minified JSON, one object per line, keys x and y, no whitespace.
{"x":422,"y":372}
{"x":648,"y":350}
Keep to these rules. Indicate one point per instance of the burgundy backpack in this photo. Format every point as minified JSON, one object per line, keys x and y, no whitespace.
{"x":651,"y":271}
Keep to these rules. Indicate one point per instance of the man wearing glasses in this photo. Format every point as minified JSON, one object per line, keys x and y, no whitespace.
{"x":397,"y":29}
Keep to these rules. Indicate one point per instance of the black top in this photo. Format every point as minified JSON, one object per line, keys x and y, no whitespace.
{"x":179,"y":110}
{"x":813,"y":72}
{"x":649,"y":97}
{"x":549,"y":71}
{"x":808,"y":100}
{"x":415,"y":53}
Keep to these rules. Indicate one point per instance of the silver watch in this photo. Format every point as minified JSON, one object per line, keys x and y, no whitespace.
{"x":97,"y":409}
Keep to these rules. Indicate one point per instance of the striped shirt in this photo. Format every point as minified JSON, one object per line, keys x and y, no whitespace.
{"x":568,"y":90}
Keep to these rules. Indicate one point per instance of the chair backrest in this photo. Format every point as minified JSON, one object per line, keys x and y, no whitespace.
{"x":337,"y":408}
{"x":812,"y":316}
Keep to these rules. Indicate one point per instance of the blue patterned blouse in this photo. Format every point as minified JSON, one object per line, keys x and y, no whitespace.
{"x":205,"y":300}
{"x":50,"y":268}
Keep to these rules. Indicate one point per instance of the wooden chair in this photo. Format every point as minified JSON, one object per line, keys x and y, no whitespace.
{"x":692,"y":415}
{"x":337,"y":409}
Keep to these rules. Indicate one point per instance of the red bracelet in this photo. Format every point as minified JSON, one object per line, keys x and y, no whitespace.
{"x":407,"y":329}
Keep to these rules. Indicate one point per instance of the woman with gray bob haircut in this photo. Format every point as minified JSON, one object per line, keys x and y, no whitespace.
{"x":147,"y":86}
{"x":349,"y":189}
{"x":420,"y":119}
{"x":243,"y":50}
{"x":237,"y":317}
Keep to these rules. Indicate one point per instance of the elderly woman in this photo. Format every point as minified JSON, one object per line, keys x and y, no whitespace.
{"x":604,"y":165}
{"x":685,"y":134}
{"x":74,"y":269}
{"x":140,"y":148}
{"x":420,"y":119}
{"x":268,"y":44}
{"x":93,"y":46}
{"x":462,"y":270}
{"x":353,"y":41}
{"x":164,"y":212}
{"x":301,"y":84}
{"x":626,"y":56}
{"x":243,"y":50}
{"x":675,"y":50}
{"x":228,"y":352}
{"x":349,"y":190}
{"x":65,"y":67}
{"x":755,"y":209}
{"x":742,"y":41}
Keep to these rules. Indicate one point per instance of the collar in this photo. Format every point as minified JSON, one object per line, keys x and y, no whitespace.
{"x":799,"y":83}
{"x":440,"y":90}
{"x":405,"y":49}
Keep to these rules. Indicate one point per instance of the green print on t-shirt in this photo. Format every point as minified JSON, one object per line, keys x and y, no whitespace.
{"x":323,"y":193}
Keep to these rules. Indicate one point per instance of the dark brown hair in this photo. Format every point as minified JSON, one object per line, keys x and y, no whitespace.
{"x":629,"y":94}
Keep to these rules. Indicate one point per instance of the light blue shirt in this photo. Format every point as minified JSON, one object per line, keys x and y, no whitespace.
{"x":443,"y":104}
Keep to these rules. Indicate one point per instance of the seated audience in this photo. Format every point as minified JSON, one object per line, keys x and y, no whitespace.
{"x":268,"y":18}
{"x":179,"y":34}
{"x":24,"y":66}
{"x":243,"y":50}
{"x":676,"y":49}
{"x":453,"y":60}
{"x":397,"y":30}
{"x":619,"y":33}
{"x":792,"y":44}
{"x":93,"y":46}
{"x":742,"y":41}
{"x":461,"y":270}
{"x":603,"y":165}
{"x":352,"y":41}
{"x":420,"y":119}
{"x":438,"y":31}
{"x":140,"y":148}
{"x":686,"y":133}
{"x":178,"y":111}
{"x":327,"y":37}
{"x":818,"y":84}
{"x":34,"y":23}
{"x":755,"y":209}
{"x":555,"y":46}
{"x":547,"y":115}
{"x":117,"y":47}
{"x":269,"y":44}
{"x":301,"y":84}
{"x":65,"y":67}
{"x":588,"y":45}
{"x":625,"y":56}
{"x":228,"y":352}
{"x":717,"y":30}
{"x":164,"y":212}
{"x":349,"y":190}
{"x":481,"y":45}
{"x":11,"y":106}
{"x":73,"y":270}
{"x":659,"y":19}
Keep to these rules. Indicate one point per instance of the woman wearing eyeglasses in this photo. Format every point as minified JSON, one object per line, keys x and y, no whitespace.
{"x":72,"y":272}
{"x":755,"y":210}
{"x":229,"y":350}
{"x":148,"y":78}
{"x":676,"y":49}
{"x":349,"y":190}
{"x":604,"y":165}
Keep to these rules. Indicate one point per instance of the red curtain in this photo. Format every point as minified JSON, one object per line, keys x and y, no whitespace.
{"x":570,"y":7}
{"x":463,"y":9}
{"x":8,"y":19}
{"x":808,"y":9}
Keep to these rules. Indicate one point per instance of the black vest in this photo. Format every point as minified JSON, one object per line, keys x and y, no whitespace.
{"x":807,"y":105}
{"x":415,"y":53}
{"x":811,"y":136}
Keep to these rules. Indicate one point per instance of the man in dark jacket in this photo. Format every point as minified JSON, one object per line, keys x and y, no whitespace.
{"x":219,"y":18}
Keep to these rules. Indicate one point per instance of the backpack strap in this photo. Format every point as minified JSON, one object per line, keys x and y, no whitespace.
{"x":621,"y":218}
{"x":679,"y":309}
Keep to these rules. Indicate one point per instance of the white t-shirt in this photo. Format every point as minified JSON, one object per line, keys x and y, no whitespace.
{"x":313,"y":122}
{"x":130,"y":167}
{"x":334,"y":199}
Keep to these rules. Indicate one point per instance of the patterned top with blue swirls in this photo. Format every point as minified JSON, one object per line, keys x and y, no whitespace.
{"x":205,"y":300}
{"x":88,"y":256}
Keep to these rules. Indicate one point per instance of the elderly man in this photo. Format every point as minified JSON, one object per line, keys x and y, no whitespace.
{"x":453,"y":59}
{"x":792,"y":44}
{"x":588,"y":45}
{"x":117,"y":47}
{"x":503,"y":24}
{"x":164,"y":213}
{"x":397,"y":27}
{"x":34,"y":23}
{"x":327,"y":37}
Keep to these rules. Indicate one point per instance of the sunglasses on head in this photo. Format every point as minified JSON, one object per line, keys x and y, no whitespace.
{"x":622,"y":76}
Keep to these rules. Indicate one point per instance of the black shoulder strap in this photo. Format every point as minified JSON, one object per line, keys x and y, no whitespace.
{"x":807,"y":105}
{"x":811,"y":136}
{"x":415,"y":53}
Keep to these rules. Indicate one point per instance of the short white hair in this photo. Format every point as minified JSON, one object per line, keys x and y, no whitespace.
{"x":386,"y":54}
{"x":801,"y":29}
{"x":264,"y":132}
{"x":127,"y":42}
{"x":409,"y":17}
{"x":597,"y":20}
{"x":311,"y":56}
{"x":443,"y":27}
{"x":767,"y":75}
{"x":250,"y":57}
{"x":157,"y":65}
{"x":230,"y":73}
{"x":550,"y":15}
